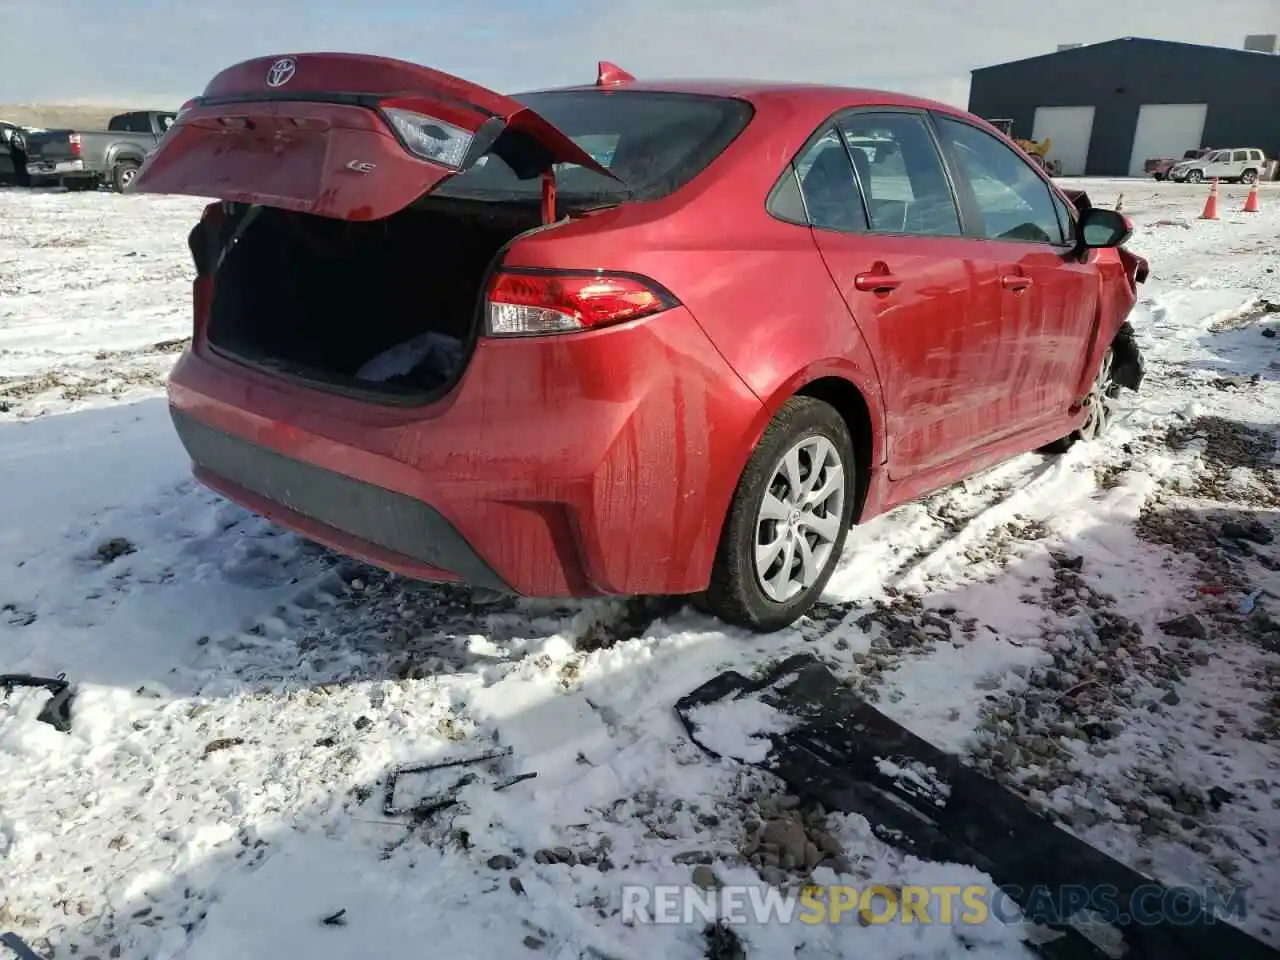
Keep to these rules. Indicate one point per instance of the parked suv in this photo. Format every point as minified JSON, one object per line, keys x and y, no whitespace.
{"x":433,"y":332}
{"x":1241,"y":165}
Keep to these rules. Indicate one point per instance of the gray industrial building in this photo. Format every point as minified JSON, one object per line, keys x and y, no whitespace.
{"x":1110,"y":106}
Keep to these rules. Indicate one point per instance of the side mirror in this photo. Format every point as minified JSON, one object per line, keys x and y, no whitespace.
{"x":1100,"y":228}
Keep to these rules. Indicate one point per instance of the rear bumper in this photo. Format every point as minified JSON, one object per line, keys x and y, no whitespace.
{"x":61,"y":168}
{"x":412,"y":536}
{"x":592,"y":464}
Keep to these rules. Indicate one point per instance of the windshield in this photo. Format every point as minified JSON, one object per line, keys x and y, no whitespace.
{"x":654,"y":142}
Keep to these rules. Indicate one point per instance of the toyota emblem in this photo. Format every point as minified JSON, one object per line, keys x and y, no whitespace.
{"x":281,"y":72}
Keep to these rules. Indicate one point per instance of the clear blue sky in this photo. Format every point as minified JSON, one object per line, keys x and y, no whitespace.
{"x":158,"y":52}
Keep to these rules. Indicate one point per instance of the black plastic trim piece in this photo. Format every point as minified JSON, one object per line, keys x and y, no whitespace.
{"x":381,"y":517}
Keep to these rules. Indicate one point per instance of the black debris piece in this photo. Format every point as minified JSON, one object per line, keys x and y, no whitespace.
{"x":1218,"y":796}
{"x":722,"y":943}
{"x":57,"y":709}
{"x":447,"y":797}
{"x":1254,"y":531}
{"x":19,"y":948}
{"x":832,"y":755}
{"x":338,"y":919}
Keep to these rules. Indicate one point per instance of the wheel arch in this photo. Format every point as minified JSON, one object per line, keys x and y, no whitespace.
{"x":854,"y":393}
{"x":852,"y":406}
{"x":122,"y":152}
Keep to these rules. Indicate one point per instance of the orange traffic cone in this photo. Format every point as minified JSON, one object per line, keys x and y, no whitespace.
{"x":1211,"y":204}
{"x":1251,"y":204}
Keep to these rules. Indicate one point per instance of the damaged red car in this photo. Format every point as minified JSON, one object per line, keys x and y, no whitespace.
{"x":626,"y":338}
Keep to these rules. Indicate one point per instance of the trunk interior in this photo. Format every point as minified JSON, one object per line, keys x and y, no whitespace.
{"x":387,"y":307}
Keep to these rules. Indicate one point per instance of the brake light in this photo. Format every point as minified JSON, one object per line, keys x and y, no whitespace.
{"x":73,"y":140}
{"x":429,"y":137}
{"x":532,"y":303}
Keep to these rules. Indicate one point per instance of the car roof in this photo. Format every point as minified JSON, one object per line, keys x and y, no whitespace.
{"x":815,"y":95}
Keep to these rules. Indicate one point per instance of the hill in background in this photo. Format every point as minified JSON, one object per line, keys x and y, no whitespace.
{"x":54,"y":116}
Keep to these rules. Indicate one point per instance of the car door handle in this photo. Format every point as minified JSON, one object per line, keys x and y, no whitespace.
{"x":1015,"y":283}
{"x":876,"y":282}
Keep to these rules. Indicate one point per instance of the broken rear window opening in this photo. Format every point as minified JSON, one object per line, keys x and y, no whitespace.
{"x":654,"y":143}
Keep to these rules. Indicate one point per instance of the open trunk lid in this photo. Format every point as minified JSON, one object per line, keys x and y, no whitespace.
{"x":344,"y":135}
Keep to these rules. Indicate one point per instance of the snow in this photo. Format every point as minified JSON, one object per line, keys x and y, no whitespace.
{"x":740,"y":727}
{"x":242,"y":694}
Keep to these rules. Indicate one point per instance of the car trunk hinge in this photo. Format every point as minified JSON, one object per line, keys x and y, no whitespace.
{"x":548,"y":196}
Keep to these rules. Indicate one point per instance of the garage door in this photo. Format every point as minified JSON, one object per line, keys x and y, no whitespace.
{"x":1070,"y":129}
{"x":1166,"y":130}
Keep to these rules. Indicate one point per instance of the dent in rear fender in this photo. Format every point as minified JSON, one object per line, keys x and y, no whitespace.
{"x":661,"y":491}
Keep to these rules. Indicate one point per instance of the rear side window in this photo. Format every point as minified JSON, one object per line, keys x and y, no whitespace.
{"x":1240,"y":156}
{"x":901,"y":174}
{"x":832,"y":199}
{"x":1013,"y":202}
{"x":653,"y":142}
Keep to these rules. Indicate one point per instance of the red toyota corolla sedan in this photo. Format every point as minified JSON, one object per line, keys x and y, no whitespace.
{"x":629,"y":338}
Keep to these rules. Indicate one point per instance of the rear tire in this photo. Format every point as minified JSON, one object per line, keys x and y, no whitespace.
{"x":1101,"y":406}
{"x":1249,"y":177}
{"x":788,"y":521}
{"x":122,"y":175}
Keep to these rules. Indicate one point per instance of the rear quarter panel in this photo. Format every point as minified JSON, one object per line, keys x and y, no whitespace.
{"x":756,"y":286}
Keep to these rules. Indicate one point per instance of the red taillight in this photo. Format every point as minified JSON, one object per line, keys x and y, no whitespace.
{"x":524,"y":303}
{"x":73,"y":141}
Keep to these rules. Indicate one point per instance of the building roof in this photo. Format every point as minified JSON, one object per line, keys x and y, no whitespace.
{"x":1189,"y":48}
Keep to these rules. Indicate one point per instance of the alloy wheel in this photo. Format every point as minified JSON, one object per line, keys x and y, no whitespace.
{"x":1100,"y":402}
{"x":798,"y":522}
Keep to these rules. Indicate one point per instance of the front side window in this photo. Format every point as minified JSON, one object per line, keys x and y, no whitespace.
{"x":902,"y":176}
{"x":1013,"y":201}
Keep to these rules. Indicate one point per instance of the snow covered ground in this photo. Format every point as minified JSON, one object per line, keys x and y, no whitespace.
{"x":242,"y":694}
